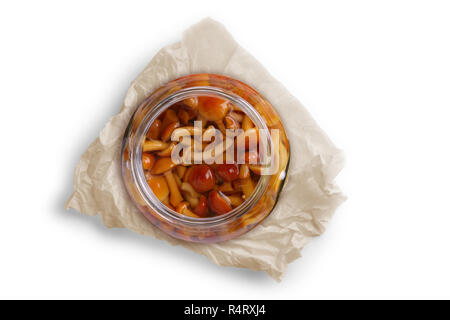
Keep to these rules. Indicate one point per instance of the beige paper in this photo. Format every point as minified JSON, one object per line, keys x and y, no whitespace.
{"x":307,"y":202}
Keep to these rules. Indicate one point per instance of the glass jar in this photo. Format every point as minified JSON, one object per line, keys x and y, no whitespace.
{"x":273,"y":153}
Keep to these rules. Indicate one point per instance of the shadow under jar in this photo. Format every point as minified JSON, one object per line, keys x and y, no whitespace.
{"x":205,"y":157}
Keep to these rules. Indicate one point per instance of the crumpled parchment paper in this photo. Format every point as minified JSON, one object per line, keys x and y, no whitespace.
{"x":307,"y":202}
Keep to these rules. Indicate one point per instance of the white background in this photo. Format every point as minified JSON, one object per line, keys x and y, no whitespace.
{"x":374,"y":74}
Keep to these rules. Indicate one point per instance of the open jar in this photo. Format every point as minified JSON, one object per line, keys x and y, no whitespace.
{"x":205,"y":157}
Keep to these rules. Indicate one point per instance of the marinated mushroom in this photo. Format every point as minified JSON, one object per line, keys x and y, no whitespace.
{"x":187,"y":152}
{"x":209,"y":188}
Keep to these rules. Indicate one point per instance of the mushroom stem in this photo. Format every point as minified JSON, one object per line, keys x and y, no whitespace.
{"x":175,"y":196}
{"x":154,"y":145}
{"x":183,"y":209}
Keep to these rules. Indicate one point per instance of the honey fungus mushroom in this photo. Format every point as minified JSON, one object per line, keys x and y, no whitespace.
{"x":187,"y":175}
{"x":206,"y":189}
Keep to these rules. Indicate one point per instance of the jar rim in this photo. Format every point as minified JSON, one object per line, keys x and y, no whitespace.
{"x":136,"y":158}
